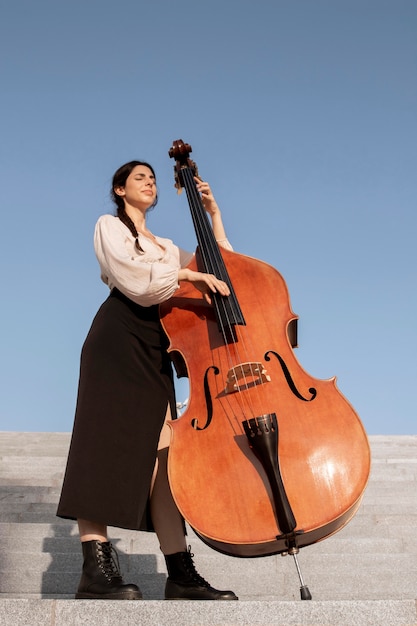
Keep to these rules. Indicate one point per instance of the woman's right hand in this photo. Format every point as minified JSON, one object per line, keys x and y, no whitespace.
{"x":205,"y":283}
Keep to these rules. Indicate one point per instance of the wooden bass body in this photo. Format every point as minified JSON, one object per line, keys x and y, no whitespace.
{"x":220,"y":484}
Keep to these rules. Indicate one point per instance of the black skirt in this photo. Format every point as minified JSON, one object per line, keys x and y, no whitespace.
{"x":125,"y":386}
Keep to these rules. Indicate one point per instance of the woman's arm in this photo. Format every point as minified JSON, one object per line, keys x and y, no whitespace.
{"x":208,"y":283}
{"x":205,"y":283}
{"x":141,"y":277}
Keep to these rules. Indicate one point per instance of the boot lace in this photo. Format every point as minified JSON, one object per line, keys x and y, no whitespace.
{"x":191,"y":570}
{"x":108,"y":561}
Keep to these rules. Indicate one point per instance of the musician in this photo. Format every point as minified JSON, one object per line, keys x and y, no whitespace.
{"x":116,"y":472}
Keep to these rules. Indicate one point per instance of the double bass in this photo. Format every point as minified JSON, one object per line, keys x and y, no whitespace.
{"x":265,"y":459}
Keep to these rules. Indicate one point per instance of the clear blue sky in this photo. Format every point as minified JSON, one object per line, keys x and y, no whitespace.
{"x":301,"y":115}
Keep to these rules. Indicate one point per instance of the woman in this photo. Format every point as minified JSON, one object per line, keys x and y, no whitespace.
{"x":117,"y":465}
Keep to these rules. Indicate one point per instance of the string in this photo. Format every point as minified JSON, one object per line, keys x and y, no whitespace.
{"x":212,"y":260}
{"x":228,"y":313}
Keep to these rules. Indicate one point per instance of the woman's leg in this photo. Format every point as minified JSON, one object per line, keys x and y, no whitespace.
{"x":167,"y":520}
{"x":184,"y":582}
{"x":91,"y":530}
{"x":101,"y":576}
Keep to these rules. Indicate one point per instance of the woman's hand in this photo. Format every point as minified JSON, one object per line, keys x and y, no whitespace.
{"x":205,"y":283}
{"x":212,"y":208}
{"x":207,"y":197}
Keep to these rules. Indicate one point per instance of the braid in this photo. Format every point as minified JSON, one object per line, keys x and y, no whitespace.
{"x":123,"y":217}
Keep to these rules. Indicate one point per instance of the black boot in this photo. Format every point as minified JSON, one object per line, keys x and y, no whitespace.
{"x":184,"y":582}
{"x":101,"y":578}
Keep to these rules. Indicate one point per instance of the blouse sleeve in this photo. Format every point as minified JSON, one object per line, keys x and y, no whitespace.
{"x":148,"y":278}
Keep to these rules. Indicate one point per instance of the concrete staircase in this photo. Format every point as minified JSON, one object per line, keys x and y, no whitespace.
{"x":364,"y":575}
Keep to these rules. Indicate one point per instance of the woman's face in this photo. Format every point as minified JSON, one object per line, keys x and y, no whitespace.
{"x":140,"y":188}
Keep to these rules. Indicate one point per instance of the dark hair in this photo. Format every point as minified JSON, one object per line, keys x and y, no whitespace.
{"x":119,"y":180}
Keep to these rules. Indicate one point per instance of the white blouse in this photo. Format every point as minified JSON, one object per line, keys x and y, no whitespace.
{"x":146,"y":278}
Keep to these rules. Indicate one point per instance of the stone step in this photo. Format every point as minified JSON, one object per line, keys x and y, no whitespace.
{"x":19,"y":612}
{"x":364,"y":574}
{"x":47,"y":559}
{"x":345,"y":578}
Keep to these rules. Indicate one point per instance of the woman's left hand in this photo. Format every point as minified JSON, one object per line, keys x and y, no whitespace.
{"x":207,"y":197}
